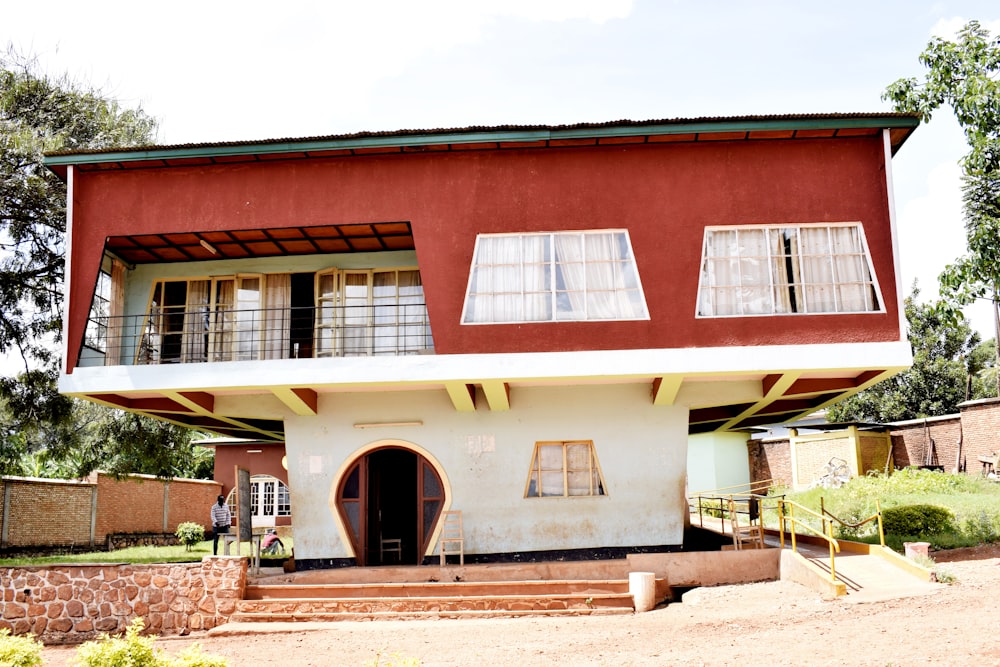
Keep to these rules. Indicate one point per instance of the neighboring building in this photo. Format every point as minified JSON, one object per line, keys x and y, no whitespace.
{"x":966,"y":442}
{"x":270,"y":499}
{"x":596,"y":293}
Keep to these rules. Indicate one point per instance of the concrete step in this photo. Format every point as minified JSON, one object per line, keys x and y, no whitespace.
{"x":240,"y":617}
{"x":436,"y":589}
{"x":286,"y":603}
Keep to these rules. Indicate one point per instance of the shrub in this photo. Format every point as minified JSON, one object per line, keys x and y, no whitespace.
{"x":190,"y":534}
{"x":135,"y":651}
{"x":19,"y":651}
{"x":917,"y":520}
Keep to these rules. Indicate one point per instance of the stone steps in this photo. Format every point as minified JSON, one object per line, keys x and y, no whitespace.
{"x":346,"y":602}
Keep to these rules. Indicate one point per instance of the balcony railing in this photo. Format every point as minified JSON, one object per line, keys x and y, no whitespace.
{"x":178,"y":336}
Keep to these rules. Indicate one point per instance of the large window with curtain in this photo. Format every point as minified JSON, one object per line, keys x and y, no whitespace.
{"x":552,"y":277}
{"x":786,"y":269}
{"x":209,"y":319}
{"x":371,"y":313}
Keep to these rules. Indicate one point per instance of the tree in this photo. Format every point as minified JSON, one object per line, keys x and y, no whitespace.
{"x":40,"y":114}
{"x":947,"y":359}
{"x":964,"y":75}
{"x":40,"y":430}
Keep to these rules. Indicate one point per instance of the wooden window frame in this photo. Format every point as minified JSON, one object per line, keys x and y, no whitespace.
{"x":533,"y":488}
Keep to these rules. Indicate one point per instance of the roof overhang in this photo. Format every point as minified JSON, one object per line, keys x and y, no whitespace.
{"x":742,"y":128}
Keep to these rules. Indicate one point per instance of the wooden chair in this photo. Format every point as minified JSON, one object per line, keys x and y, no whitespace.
{"x":748,"y":531}
{"x":452,"y":540}
{"x":390,"y":545}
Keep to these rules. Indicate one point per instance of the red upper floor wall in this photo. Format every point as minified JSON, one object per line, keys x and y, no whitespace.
{"x":664,"y":194}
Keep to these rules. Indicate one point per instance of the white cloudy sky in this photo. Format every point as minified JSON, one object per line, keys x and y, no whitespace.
{"x":217,"y":70}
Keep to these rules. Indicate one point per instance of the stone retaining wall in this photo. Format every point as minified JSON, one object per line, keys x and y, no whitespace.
{"x":68,"y":604}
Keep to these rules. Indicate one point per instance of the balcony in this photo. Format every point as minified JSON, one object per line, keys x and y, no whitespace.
{"x":172,"y":335}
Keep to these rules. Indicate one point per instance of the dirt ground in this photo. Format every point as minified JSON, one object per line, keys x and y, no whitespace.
{"x":754,"y":624}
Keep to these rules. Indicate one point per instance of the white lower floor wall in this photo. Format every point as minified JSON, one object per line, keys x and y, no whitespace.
{"x":483,"y":460}
{"x":718,"y":461}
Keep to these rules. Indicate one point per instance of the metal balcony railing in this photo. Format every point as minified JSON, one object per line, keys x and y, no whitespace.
{"x":182,"y":336}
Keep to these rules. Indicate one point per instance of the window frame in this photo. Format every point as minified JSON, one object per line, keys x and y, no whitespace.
{"x":598,"y":488}
{"x":796,"y":289}
{"x":553,"y":269}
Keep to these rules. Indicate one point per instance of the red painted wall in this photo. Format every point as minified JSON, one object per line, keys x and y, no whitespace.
{"x":664,"y":194}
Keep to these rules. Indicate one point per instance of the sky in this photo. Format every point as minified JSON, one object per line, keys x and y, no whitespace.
{"x":216,"y":70}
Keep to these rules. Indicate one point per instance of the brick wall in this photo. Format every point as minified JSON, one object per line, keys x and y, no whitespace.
{"x":981,"y":429}
{"x":61,"y":513}
{"x":770,"y":459}
{"x":977,"y":426}
{"x":65,"y":604}
{"x":46,"y":512}
{"x":912,"y":439}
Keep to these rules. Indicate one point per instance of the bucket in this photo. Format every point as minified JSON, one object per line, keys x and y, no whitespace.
{"x":914,"y":549}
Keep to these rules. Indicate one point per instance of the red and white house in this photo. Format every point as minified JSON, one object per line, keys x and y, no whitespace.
{"x":523,"y":323}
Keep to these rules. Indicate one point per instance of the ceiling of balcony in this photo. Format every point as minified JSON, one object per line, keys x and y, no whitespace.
{"x":249,"y":243}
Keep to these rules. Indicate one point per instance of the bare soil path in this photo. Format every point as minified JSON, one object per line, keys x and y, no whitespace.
{"x":754,"y":624}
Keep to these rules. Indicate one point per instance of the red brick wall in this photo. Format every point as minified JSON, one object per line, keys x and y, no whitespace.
{"x":46,"y":512}
{"x":981,"y":428}
{"x":190,"y":500}
{"x":770,"y":459}
{"x":911,"y":440}
{"x":134,"y":505}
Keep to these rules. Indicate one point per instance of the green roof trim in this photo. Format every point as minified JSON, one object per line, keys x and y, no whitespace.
{"x":482,"y":135}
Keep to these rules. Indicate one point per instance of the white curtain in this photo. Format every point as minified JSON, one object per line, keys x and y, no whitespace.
{"x":510,"y":280}
{"x":249,"y":320}
{"x":222,"y":320}
{"x":195,"y":322}
{"x":817,"y":270}
{"x":277,"y":315}
{"x":414,"y":327}
{"x":571,"y":277}
{"x":855,"y":290}
{"x":326,"y":299}
{"x":116,"y":313}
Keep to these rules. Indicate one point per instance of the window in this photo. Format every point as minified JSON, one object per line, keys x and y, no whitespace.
{"x":786,"y":269}
{"x":553,"y":277}
{"x":211,"y":319}
{"x":371,"y":312}
{"x":96,"y":335}
{"x":564,"y":469}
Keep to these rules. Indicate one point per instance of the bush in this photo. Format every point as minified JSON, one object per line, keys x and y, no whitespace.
{"x":19,"y":651}
{"x":917,"y":520}
{"x":135,"y":651}
{"x":190,"y":534}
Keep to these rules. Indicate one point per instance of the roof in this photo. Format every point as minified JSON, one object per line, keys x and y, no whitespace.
{"x":735,"y":128}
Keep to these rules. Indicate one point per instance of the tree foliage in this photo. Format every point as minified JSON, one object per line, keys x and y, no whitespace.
{"x":43,"y":433}
{"x":949,"y":364}
{"x":965,"y":75}
{"x":40,"y":114}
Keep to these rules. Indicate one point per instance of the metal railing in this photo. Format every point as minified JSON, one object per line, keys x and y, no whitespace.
{"x":203,"y":335}
{"x":787,"y":518}
{"x":722,"y":502}
{"x":876,"y":518}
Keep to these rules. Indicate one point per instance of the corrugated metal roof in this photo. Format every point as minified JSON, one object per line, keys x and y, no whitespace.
{"x":477,"y":132}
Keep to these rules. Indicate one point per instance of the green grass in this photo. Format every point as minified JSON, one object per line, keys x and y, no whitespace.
{"x":145,"y":554}
{"x":975,"y":503}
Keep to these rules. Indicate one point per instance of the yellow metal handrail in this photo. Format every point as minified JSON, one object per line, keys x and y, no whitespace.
{"x":719,"y":500}
{"x":874,"y":517}
{"x":826,"y":533}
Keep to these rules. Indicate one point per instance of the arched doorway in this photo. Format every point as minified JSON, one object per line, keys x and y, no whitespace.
{"x":390,"y":493}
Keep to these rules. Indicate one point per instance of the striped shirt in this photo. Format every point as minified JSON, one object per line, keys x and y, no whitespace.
{"x":221,"y":515}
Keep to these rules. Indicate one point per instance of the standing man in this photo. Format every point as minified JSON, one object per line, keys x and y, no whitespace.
{"x":221,"y":518}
